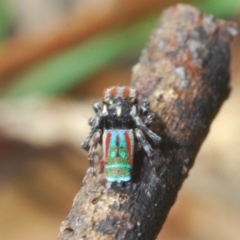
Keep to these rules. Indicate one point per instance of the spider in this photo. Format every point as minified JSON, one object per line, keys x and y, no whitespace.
{"x":117,"y":126}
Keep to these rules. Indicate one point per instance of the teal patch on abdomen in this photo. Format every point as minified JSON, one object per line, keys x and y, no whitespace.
{"x":123,"y":154}
{"x":118,"y":179}
{"x":112,"y":154}
{"x":118,"y":165}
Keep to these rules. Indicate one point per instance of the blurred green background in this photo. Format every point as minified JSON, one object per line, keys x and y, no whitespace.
{"x":44,"y":58}
{"x":56,"y":58}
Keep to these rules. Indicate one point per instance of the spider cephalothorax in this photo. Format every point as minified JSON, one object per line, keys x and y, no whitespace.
{"x":117,"y":125}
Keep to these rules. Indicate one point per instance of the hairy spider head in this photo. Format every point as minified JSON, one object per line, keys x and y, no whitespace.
{"x":118,"y":103}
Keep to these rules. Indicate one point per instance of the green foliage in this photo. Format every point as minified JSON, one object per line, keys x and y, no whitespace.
{"x":65,"y":69}
{"x":219,"y":8}
{"x":5,"y":19}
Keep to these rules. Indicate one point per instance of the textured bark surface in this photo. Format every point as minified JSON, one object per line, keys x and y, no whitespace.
{"x":184,"y":71}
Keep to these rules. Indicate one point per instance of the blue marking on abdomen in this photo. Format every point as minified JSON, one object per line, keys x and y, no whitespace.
{"x":118,"y":179}
{"x":118,"y":165}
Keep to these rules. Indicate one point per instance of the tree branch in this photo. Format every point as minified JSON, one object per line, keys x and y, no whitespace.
{"x":184,"y":71}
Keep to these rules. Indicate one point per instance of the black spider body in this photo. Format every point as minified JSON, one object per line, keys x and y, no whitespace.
{"x":117,"y":126}
{"x":124,"y":121}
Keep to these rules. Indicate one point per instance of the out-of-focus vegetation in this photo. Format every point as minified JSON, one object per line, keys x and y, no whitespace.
{"x":5,"y":20}
{"x":74,"y":63}
{"x":219,"y":8}
{"x":64,"y":70}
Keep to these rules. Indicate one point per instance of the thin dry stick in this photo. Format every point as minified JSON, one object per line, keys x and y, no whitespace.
{"x":184,"y":71}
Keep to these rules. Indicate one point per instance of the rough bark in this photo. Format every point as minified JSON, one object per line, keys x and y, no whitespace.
{"x":184,"y":71}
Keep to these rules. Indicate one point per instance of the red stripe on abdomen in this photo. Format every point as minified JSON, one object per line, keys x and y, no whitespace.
{"x":107,"y":143}
{"x":129,"y":145}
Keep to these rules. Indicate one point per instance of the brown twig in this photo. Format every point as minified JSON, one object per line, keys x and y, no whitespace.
{"x":184,"y":71}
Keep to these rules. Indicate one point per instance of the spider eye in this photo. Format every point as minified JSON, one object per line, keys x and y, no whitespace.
{"x":108,"y":101}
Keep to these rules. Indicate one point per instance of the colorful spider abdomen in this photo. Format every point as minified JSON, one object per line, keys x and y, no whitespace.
{"x":118,"y":147}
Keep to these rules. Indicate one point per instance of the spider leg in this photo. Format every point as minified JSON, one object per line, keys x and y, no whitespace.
{"x":143,"y":142}
{"x":85,"y":143}
{"x":145,"y":145}
{"x":98,"y":107}
{"x":91,"y":121}
{"x":92,"y":149}
{"x":145,"y":111}
{"x":144,"y":108}
{"x":95,"y":123}
{"x":139,"y":124}
{"x":149,"y":118}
